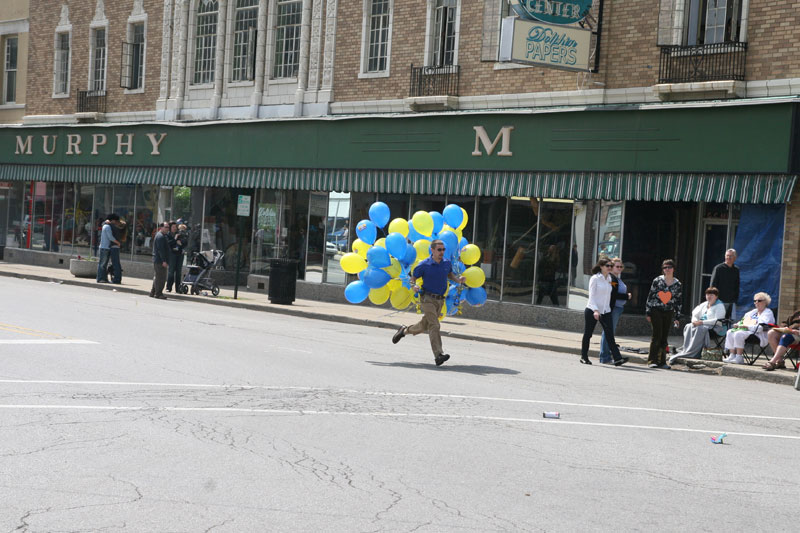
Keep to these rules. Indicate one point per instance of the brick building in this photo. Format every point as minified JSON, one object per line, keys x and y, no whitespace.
{"x":650,"y":129}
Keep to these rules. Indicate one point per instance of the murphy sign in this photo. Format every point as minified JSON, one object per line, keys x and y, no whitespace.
{"x":537,"y":43}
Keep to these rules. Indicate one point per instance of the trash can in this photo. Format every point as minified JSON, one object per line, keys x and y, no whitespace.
{"x":282,"y":281}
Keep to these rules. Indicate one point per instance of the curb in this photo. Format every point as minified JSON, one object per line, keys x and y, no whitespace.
{"x":709,"y":367}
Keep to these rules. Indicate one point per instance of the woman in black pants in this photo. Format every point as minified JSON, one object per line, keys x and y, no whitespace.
{"x":176,"y":241}
{"x":662,"y":308}
{"x":599,"y":310}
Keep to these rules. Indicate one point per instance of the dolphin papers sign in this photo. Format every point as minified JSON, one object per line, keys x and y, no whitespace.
{"x":537,"y":43}
{"x":552,"y":11}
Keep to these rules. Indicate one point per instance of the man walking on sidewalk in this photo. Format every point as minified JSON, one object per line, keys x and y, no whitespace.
{"x":160,"y":262}
{"x":725,"y":277}
{"x":109,"y":249}
{"x":435,"y":272}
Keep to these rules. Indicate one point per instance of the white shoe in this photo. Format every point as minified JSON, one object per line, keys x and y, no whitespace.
{"x":737,"y":359}
{"x":652,"y":365}
{"x":727,"y":359}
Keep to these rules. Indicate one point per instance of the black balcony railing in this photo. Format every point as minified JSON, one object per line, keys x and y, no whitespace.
{"x":703,"y":62}
{"x":434,"y":81}
{"x":91,"y":101}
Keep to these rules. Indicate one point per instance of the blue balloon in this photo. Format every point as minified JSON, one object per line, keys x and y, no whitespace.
{"x":410,"y":256}
{"x":375,"y":278}
{"x":462,"y":243}
{"x":356,"y":292}
{"x":450,"y":240}
{"x":453,"y":215}
{"x":396,"y":245}
{"x":438,"y":221}
{"x":378,"y":257}
{"x":379,"y":214}
{"x":366,"y":231}
{"x":413,"y":235}
{"x":476,"y":296}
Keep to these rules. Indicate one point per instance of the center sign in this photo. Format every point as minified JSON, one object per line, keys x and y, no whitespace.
{"x":552,"y":11}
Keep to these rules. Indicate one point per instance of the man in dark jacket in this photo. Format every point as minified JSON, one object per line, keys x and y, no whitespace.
{"x":725,"y":277}
{"x":160,"y":262}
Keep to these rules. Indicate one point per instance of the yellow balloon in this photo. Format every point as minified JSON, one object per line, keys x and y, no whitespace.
{"x":394,"y":284}
{"x":423,"y":223}
{"x":381,"y":242}
{"x":423,"y":248}
{"x":458,"y":234}
{"x":353,"y":263}
{"x":380,"y":295}
{"x":394,"y":269}
{"x":464,"y":221}
{"x":399,"y":225}
{"x":360,"y":247}
{"x":475,"y":276}
{"x":400,"y":298}
{"x":470,"y":254}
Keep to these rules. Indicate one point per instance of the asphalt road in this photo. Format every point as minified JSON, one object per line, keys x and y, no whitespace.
{"x":122,"y":413}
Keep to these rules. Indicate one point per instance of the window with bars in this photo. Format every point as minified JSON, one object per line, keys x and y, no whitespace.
{"x":62,"y":64}
{"x":205,"y":47}
{"x":10,"y":71}
{"x":244,"y":40}
{"x":443,"y":49}
{"x":98,"y":81}
{"x":132,"y":71}
{"x":287,"y":39}
{"x":377,"y":49}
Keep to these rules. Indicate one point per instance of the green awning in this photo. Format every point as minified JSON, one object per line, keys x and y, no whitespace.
{"x":646,"y":186}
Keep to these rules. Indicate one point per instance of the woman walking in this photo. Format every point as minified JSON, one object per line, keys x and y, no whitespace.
{"x":663,"y":306}
{"x":599,"y":310}
{"x":619,"y":295}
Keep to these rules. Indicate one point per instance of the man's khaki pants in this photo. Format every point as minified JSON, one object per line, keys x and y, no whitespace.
{"x":431,"y":309}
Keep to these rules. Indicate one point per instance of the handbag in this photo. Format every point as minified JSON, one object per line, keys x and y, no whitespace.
{"x":711,"y":354}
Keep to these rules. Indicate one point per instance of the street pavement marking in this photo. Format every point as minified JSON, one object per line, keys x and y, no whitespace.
{"x":380,"y":414}
{"x":27,"y":331}
{"x":382,"y":393}
{"x":46,"y":341}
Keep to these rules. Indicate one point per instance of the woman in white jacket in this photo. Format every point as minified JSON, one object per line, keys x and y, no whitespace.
{"x":705,"y":317}
{"x":598,"y":309}
{"x":752,"y":323}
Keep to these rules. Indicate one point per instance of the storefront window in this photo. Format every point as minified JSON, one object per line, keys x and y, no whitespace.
{"x":427,"y":202}
{"x":337,"y":235}
{"x":266,"y":237}
{"x":68,"y":220}
{"x":103,"y":205}
{"x":555,"y":227}
{"x":124,"y":206}
{"x":182,"y":204}
{"x":53,"y":217}
{"x":399,"y":205}
{"x":583,"y":251}
{"x":82,"y":234}
{"x":11,"y":227}
{"x":523,"y":218}
{"x":468,"y":204}
{"x":34,"y":217}
{"x":490,"y":226}
{"x":293,"y":234}
{"x":221,"y":225}
{"x":143,"y":227}
{"x":610,"y":229}
{"x":316,"y":250}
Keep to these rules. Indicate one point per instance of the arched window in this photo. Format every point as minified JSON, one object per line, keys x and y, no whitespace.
{"x":205,"y":41}
{"x":244,"y":40}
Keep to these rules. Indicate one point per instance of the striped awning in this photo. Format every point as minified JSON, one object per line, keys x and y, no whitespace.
{"x":647,"y":186}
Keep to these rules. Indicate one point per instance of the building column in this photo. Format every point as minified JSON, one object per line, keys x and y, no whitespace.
{"x":180,"y":49}
{"x":302,"y":75}
{"x":219,"y":58}
{"x":166,"y":54}
{"x":261,"y":43}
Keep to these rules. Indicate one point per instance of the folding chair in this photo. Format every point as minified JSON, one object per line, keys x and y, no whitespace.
{"x":716,"y":338}
{"x":753,"y":348}
{"x":793,"y":354}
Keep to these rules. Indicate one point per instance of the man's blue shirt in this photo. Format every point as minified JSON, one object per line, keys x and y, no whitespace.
{"x":106,"y":236}
{"x":434,"y":275}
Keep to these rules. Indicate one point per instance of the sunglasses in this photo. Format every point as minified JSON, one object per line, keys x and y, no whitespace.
{"x":438,"y":249}
{"x":667,"y":268}
{"x":756,"y":301}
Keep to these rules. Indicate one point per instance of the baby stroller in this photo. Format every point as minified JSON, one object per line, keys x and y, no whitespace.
{"x":198,"y":278}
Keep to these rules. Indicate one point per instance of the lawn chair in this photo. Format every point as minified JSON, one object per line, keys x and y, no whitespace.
{"x":753,"y":349}
{"x":719,"y":339}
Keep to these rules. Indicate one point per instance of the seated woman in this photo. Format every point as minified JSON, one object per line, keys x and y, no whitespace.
{"x":780,"y":339}
{"x":751,"y":324}
{"x":704,"y":317}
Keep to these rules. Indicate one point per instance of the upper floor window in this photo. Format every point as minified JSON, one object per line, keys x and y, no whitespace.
{"x":378,"y":36}
{"x":132,"y":71}
{"x":287,"y":39}
{"x":61,"y":85}
{"x":10,"y":71}
{"x":98,"y":65}
{"x":713,"y":21}
{"x":443,"y":35}
{"x":205,"y":47}
{"x":244,"y":40}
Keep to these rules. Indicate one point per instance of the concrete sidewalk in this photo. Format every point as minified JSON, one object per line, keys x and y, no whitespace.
{"x":390,"y":319}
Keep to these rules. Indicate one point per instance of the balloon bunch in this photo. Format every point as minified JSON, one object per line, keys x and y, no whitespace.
{"x":384,"y":265}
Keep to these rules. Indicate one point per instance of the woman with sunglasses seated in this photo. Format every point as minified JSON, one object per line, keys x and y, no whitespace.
{"x":780,"y":339}
{"x":752,"y":323}
{"x":599,"y":310}
{"x":705,"y":317}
